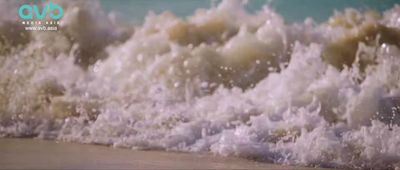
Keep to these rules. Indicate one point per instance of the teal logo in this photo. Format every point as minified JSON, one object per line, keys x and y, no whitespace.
{"x":27,"y":12}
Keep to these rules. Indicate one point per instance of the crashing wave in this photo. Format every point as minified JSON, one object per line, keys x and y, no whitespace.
{"x":222,"y":80}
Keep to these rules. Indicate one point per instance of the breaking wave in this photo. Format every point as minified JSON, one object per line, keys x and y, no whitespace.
{"x":223,"y":80}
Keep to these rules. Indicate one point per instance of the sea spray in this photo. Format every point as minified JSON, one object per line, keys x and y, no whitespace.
{"x":222,"y":80}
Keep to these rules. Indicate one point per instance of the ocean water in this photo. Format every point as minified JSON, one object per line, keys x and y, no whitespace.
{"x":227,"y":79}
{"x":292,"y":10}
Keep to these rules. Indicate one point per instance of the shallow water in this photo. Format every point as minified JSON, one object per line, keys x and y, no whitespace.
{"x":222,"y":80}
{"x":41,"y":154}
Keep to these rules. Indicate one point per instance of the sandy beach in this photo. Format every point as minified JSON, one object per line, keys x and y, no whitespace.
{"x":40,"y":154}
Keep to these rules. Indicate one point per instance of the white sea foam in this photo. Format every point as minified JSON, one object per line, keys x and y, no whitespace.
{"x":221,"y":81}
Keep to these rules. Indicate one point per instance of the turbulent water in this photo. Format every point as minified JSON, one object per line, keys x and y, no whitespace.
{"x":222,"y":80}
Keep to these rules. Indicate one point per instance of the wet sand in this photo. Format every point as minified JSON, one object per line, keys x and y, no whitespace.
{"x":40,"y":154}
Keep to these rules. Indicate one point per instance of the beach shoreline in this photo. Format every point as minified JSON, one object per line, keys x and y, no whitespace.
{"x":23,"y":153}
